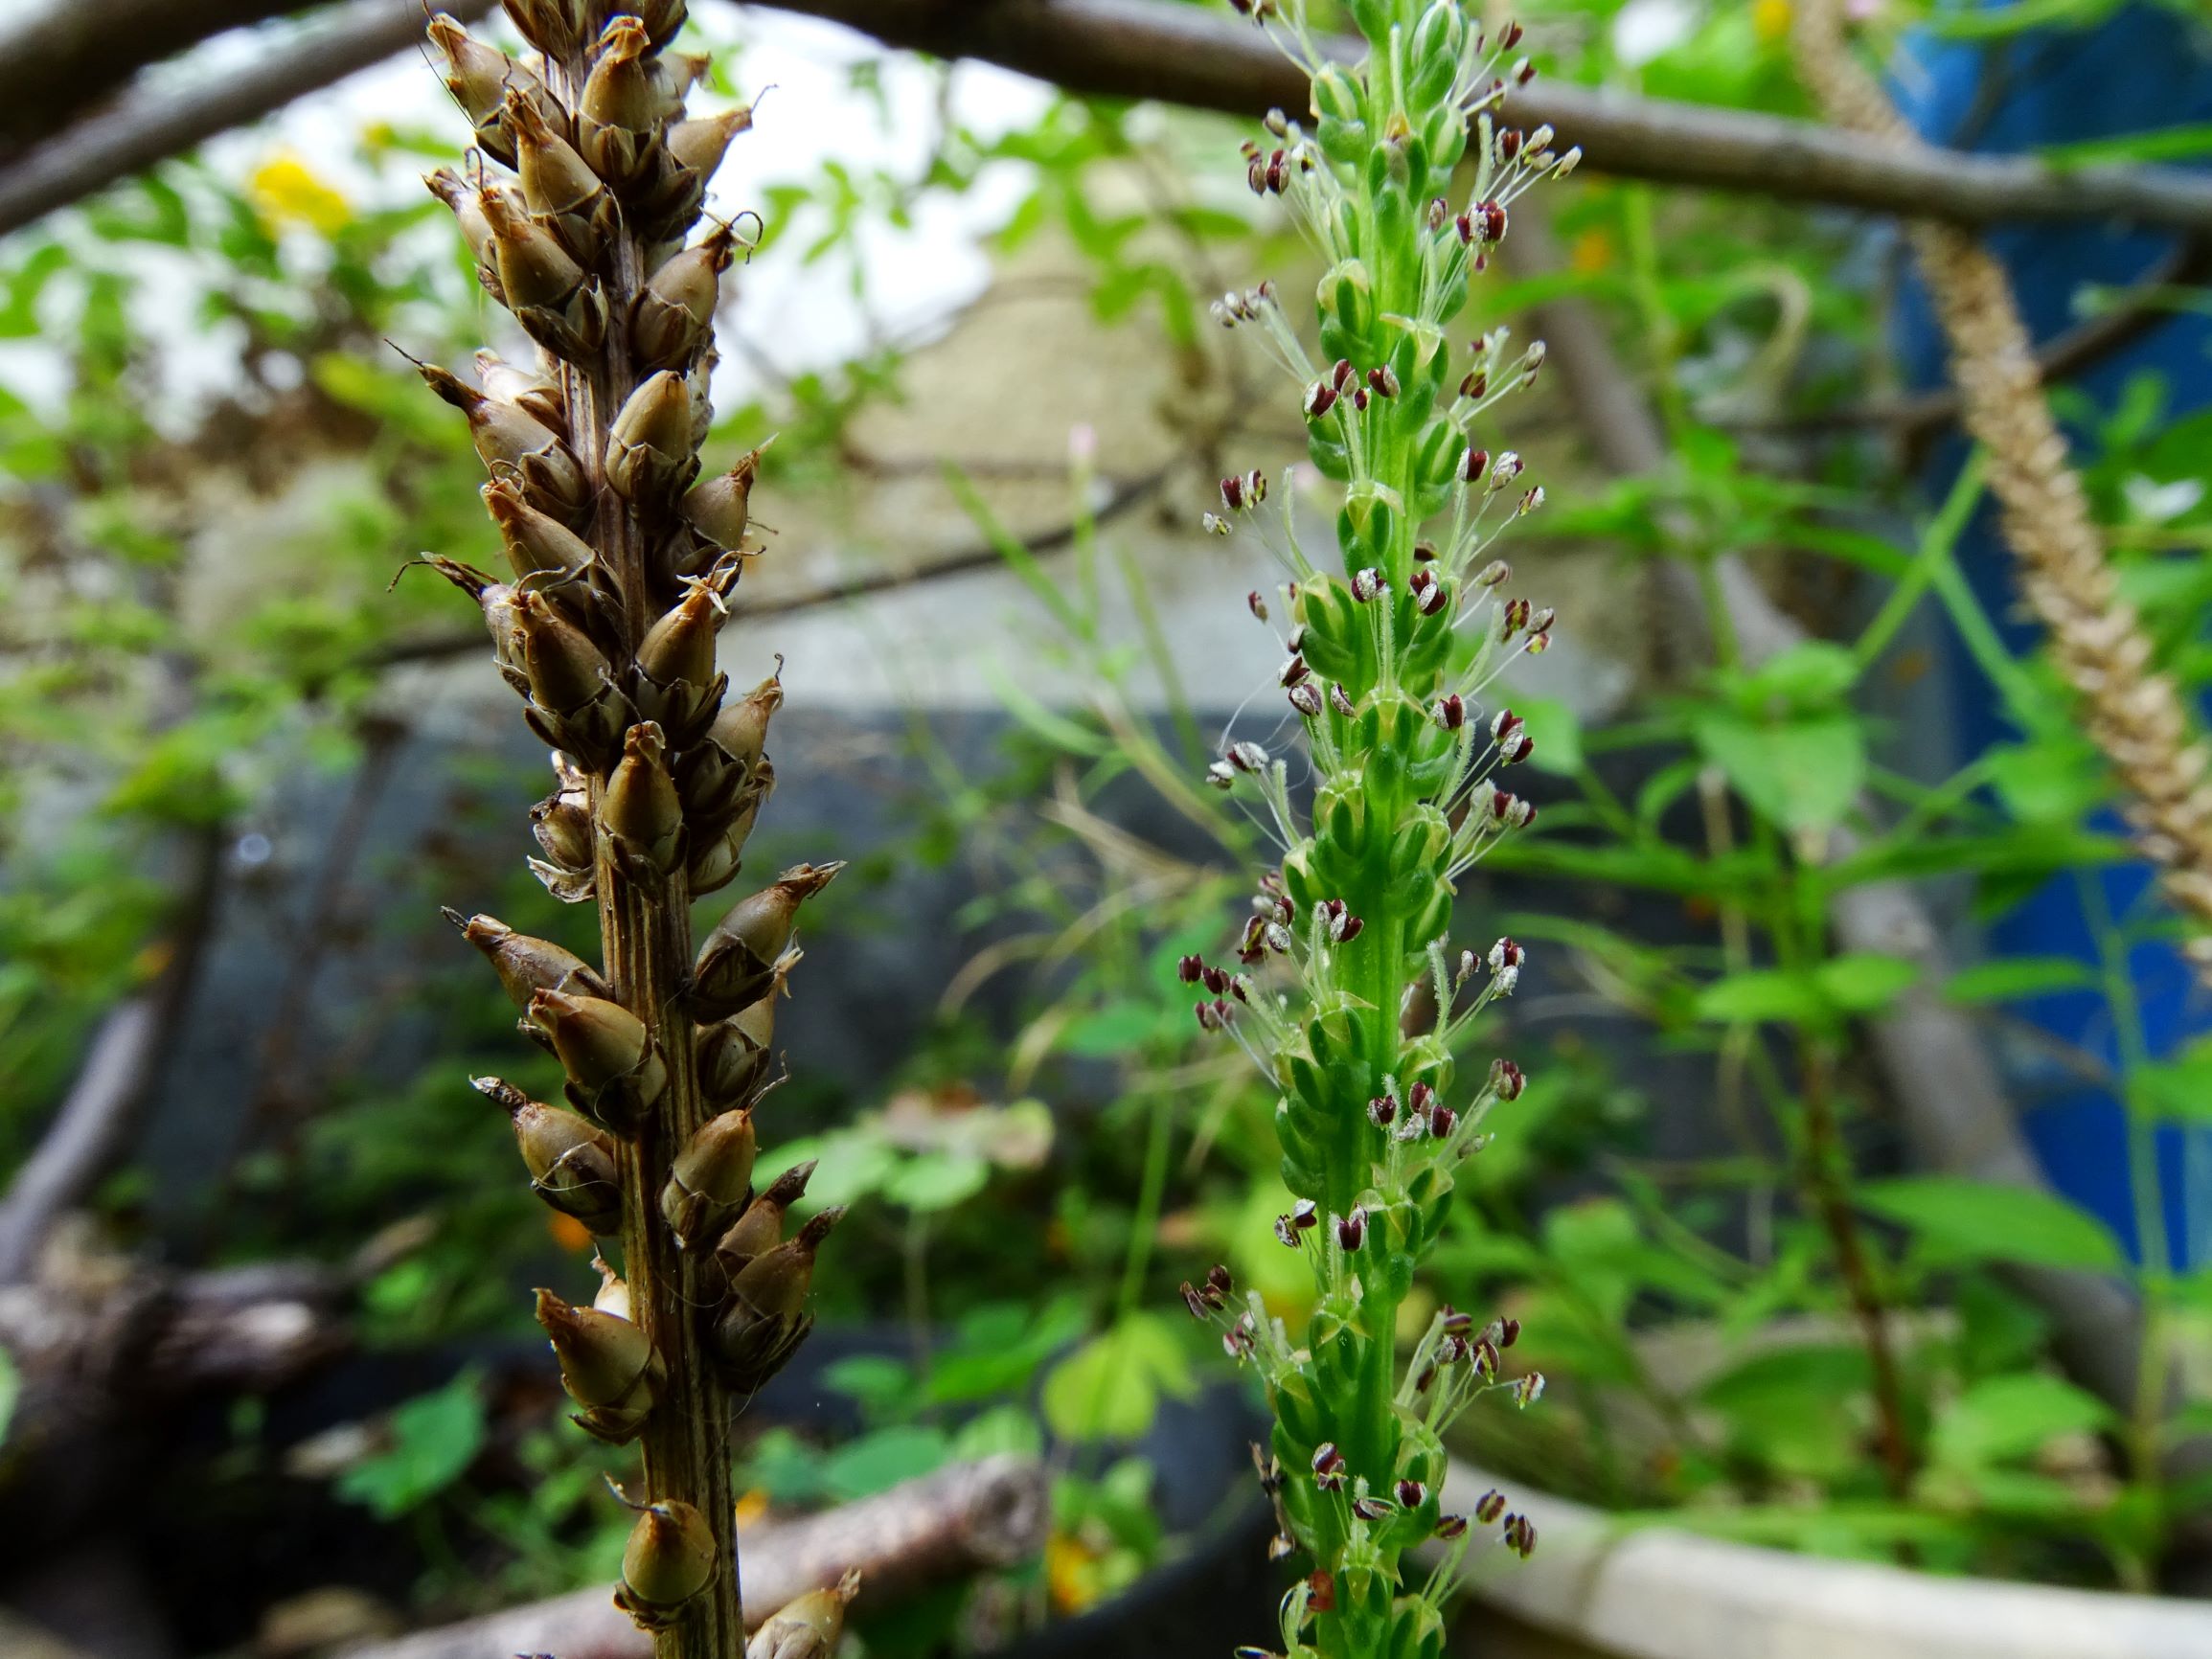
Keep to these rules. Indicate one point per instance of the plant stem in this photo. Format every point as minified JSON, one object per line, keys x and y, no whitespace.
{"x":646,"y":935}
{"x":1827,"y":1184}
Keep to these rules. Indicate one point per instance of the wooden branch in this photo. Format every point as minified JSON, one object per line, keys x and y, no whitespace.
{"x":146,"y":127}
{"x":1206,"y":59}
{"x":74,"y":52}
{"x":969,"y":1518}
{"x":98,"y":1117}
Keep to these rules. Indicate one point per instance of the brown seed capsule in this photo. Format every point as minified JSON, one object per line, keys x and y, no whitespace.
{"x":669,"y":1559}
{"x":761,"y":1228}
{"x":649,"y":455}
{"x":608,"y":1366}
{"x":475,"y":73}
{"x":501,"y":610}
{"x":741,"y":728}
{"x":675,"y":660}
{"x":536,"y":543}
{"x":720,"y":509}
{"x":614,"y":1071}
{"x":566,"y":670}
{"x":621,"y":108}
{"x":809,"y":1628}
{"x":732,"y":1054}
{"x":716,"y":860}
{"x":613,"y":1291}
{"x":549,"y":25}
{"x":765,"y":1318}
{"x":526,"y":966}
{"x":677,"y":311}
{"x":711,"y":1178}
{"x":561,"y":822}
{"x":662,"y":18}
{"x":571,"y":1161}
{"x":700,"y":144}
{"x":640,"y":810}
{"x":536,"y":395}
{"x":737,"y":965}
{"x":557,"y":186}
{"x":513,"y":442}
{"x":534,"y":270}
{"x":460,"y":195}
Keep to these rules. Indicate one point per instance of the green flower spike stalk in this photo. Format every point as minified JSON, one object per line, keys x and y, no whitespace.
{"x":1384,"y":664}
{"x":623,"y":568}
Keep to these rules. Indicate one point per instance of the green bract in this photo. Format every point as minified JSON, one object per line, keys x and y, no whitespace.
{"x":1405,"y":185}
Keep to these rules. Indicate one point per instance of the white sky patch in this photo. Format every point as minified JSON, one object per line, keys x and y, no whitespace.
{"x":1645,"y":29}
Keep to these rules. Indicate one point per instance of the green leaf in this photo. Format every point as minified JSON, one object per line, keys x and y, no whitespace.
{"x":1765,"y":993}
{"x":877,"y":1380}
{"x":2012,"y":1416}
{"x":1863,"y":982}
{"x":934,"y":1181}
{"x":2178,"y":1089}
{"x":435,"y":1437}
{"x":1110,"y":1387}
{"x":878,"y":1461}
{"x":1117,"y":1029}
{"x":1955,"y":1219}
{"x":2016,"y":978}
{"x":1557,"y":731}
{"x":1801,"y":775}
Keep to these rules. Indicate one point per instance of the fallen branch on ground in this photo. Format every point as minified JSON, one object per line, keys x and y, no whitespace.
{"x":969,"y":1518}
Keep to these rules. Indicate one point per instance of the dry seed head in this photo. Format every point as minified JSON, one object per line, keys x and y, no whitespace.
{"x":710,"y":1178}
{"x":526,"y":966}
{"x":613,"y":1291}
{"x":741,"y":728}
{"x":649,"y":453}
{"x":809,"y":1628}
{"x":669,"y":1559}
{"x":761,"y":1228}
{"x":640,"y":810}
{"x":701,"y":144}
{"x":536,"y":543}
{"x":676,"y":311}
{"x":737,"y":964}
{"x":608,"y":1366}
{"x":680,"y":647}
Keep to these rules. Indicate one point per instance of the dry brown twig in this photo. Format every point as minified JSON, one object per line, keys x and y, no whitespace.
{"x":2131,"y":712}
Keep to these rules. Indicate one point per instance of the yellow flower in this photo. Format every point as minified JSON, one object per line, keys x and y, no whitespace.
{"x":1770,"y":19}
{"x":285,"y":191}
{"x":1069,"y":1573}
{"x":752,"y":1504}
{"x":1591,"y":254}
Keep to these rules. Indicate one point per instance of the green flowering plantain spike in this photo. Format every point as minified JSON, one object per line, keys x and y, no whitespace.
{"x":1385,"y":659}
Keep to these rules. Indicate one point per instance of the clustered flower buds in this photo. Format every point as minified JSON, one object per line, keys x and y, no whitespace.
{"x":624,"y":551}
{"x":1350,"y":1002}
